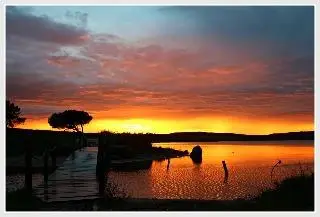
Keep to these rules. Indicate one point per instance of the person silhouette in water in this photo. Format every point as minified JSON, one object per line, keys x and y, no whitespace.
{"x":168,"y":165}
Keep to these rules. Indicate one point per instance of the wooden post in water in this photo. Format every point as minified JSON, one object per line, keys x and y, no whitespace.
{"x":226,"y":172}
{"x":28,"y":166}
{"x":45,"y":166}
{"x":107,"y":156}
{"x":100,"y":155}
{"x":103,"y":161}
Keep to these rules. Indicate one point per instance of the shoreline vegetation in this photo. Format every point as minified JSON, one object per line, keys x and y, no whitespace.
{"x":292,"y":194}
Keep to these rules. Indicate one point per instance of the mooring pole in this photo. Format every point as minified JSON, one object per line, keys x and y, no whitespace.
{"x":226,"y":172}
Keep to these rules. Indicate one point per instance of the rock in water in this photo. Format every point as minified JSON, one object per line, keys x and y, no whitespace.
{"x":196,"y":154}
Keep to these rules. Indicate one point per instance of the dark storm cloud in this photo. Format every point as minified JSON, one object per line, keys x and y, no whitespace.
{"x":22,"y":23}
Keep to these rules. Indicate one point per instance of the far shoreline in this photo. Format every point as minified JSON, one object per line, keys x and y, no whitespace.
{"x":190,"y":136}
{"x":241,"y":142}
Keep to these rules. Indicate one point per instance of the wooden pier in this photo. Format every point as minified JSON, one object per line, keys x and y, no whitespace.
{"x":75,"y":179}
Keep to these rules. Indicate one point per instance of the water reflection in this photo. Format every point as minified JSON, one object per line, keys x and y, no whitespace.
{"x":248,"y":170}
{"x":132,"y":166}
{"x":45,"y":191}
{"x":54,"y":184}
{"x":197,"y":166}
{"x":248,"y":153}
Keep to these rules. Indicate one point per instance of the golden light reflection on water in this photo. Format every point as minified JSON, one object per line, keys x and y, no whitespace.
{"x":248,"y":152}
{"x":249,"y":165}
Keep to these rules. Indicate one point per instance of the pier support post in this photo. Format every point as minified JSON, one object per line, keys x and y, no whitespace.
{"x":45,"y":166}
{"x":45,"y":173}
{"x":28,"y":166}
{"x":100,"y":156}
{"x":100,"y":167}
{"x":103,"y":161}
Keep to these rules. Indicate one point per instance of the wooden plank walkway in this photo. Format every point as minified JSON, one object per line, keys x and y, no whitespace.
{"x":75,"y":179}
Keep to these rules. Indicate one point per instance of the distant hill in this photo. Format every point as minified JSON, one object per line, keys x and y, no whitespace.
{"x":204,"y":136}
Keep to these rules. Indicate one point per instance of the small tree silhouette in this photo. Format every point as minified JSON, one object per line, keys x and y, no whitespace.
{"x":13,"y":115}
{"x":70,"y":120}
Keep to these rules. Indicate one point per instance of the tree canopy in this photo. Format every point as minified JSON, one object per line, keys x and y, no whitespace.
{"x":70,"y":120}
{"x":13,"y":115}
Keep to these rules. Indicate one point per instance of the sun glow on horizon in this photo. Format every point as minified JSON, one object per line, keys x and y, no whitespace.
{"x":188,"y":125}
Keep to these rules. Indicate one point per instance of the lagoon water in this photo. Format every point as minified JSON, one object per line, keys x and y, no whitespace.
{"x":249,"y":165}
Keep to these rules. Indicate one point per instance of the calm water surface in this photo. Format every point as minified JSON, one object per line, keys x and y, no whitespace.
{"x":249,"y":165}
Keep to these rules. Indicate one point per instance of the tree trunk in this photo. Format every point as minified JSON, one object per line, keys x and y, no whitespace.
{"x":82,"y":137}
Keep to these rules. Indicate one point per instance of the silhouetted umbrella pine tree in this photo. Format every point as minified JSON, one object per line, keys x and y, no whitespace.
{"x":70,"y":120}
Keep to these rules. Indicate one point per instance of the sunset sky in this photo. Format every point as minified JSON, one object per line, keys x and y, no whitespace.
{"x":164,"y":69}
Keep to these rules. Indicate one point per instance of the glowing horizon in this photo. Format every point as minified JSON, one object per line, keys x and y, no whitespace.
{"x":151,"y":126}
{"x":164,"y":69}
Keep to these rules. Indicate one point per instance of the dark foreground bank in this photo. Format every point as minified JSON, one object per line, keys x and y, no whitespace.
{"x":293,"y":194}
